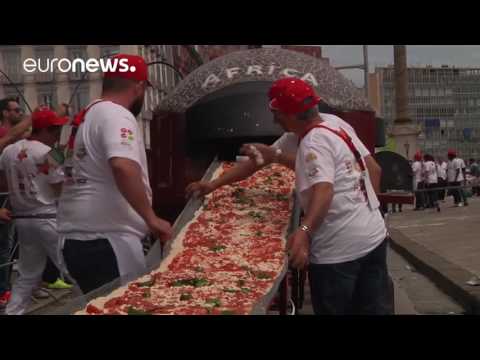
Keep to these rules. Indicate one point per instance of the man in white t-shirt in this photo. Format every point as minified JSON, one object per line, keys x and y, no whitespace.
{"x":475,"y":176}
{"x":343,"y":235}
{"x":34,"y":186}
{"x":442,"y":177}
{"x":105,"y":208}
{"x":456,"y":177}
{"x":12,"y":128}
{"x":418,"y":183}
{"x":431,"y":181}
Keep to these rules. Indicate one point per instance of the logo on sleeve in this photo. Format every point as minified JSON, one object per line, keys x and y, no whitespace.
{"x":126,"y":136}
{"x":126,"y":133}
{"x":310,"y":157}
{"x":22,"y":155}
{"x":349,"y":166}
{"x":312,"y":172}
{"x":352,"y":167}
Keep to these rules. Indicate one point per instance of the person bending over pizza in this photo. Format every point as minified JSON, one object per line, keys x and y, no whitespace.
{"x":342,"y":238}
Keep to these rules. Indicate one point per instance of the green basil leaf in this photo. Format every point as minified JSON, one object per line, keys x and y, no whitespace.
{"x":218,"y":248}
{"x":186,"y":296}
{"x":262,"y":275}
{"x":230,"y":290}
{"x":132,"y":311}
{"x":215,"y":302}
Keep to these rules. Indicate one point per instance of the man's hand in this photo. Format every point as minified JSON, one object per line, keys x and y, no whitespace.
{"x":298,"y":246}
{"x":268,"y":152}
{"x":160,"y":228}
{"x":199,"y":189}
{"x":5,"y":215}
{"x":128,"y":178}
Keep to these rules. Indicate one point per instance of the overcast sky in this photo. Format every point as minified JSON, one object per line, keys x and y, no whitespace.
{"x":381,"y":55}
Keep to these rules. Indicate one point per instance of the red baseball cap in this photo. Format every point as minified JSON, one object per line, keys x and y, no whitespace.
{"x":45,"y":117}
{"x":417,"y":156}
{"x":138,"y":68}
{"x":452,"y":152}
{"x":292,"y":96}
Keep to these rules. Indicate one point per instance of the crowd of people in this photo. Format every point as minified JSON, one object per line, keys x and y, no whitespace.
{"x":436,"y":179}
{"x":87,"y":206}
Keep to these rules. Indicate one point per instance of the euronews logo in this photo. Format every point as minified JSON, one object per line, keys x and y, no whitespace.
{"x":65,"y":65}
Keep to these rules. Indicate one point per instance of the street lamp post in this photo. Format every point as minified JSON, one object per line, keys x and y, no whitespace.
{"x":363,"y":67}
{"x":365,"y":70}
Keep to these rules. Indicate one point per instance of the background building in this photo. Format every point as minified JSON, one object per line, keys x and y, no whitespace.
{"x":444,"y":101}
{"x":315,"y":51}
{"x":80,"y":88}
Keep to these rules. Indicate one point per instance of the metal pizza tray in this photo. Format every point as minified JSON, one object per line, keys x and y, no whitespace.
{"x":261,"y":307}
{"x":157,"y":254}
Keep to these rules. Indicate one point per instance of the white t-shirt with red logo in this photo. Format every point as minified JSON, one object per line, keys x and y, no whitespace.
{"x":351,"y":228}
{"x":442,"y":170}
{"x":91,"y":206}
{"x":452,"y":167}
{"x":417,"y":169}
{"x":29,"y":176}
{"x":430,"y":170}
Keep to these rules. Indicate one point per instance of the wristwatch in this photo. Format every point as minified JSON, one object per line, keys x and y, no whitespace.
{"x":306,"y":229}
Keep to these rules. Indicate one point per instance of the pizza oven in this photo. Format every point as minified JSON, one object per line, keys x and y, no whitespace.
{"x":222,"y":121}
{"x":224,"y":104}
{"x":185,"y":144}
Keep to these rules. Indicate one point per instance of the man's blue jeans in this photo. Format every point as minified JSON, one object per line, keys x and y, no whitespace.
{"x":6,"y":244}
{"x":361,"y":286}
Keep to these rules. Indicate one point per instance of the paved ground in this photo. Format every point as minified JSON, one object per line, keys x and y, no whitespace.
{"x":56,"y":299}
{"x":445,"y":246}
{"x":454,"y":233}
{"x":415,"y":293}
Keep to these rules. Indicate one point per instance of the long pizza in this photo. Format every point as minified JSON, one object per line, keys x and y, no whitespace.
{"x":224,"y":260}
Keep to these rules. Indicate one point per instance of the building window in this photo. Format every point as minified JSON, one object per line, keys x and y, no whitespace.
{"x":109,"y":50}
{"x":80,"y":99}
{"x":46,"y":96}
{"x":79,"y":52}
{"x":44,"y":55}
{"x":12,"y":65}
